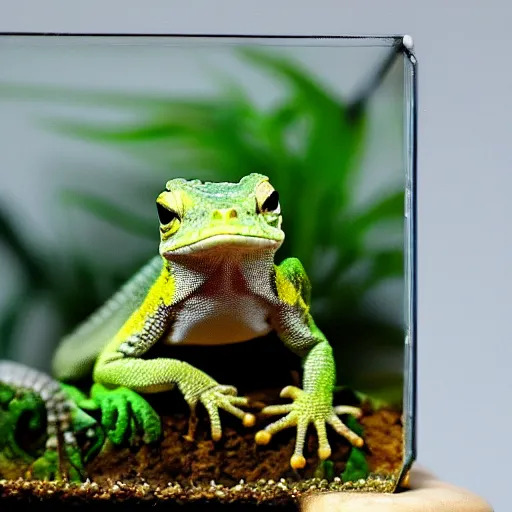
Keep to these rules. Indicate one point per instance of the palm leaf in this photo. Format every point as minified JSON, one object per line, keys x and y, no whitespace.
{"x":110,"y":212}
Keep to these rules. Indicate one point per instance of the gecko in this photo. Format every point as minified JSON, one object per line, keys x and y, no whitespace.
{"x":214,"y":281}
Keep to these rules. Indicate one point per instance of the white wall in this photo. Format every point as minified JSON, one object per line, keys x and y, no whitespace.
{"x":465,"y":162}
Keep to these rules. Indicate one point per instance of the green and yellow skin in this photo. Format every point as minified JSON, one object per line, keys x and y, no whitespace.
{"x":214,"y":282}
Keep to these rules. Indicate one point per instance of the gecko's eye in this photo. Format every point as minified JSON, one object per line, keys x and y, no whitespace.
{"x":271,"y":204}
{"x":165,"y":215}
{"x":267,"y":201}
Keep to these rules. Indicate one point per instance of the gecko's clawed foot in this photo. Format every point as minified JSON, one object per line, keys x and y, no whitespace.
{"x":223,"y":397}
{"x":125,"y":415}
{"x":306,"y":408}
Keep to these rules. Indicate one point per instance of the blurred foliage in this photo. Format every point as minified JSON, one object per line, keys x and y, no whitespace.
{"x":309,"y":143}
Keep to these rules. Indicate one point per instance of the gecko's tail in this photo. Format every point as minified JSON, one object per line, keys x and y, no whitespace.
{"x":57,"y":404}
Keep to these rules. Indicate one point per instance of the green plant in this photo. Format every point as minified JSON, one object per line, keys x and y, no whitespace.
{"x":357,"y":466}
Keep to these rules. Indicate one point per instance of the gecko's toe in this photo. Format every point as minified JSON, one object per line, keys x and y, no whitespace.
{"x":292,"y":392}
{"x":249,"y":420}
{"x":348,"y":409}
{"x":226,"y":390}
{"x":324,"y":452}
{"x":262,"y":437}
{"x":343,"y":430}
{"x":297,"y":461}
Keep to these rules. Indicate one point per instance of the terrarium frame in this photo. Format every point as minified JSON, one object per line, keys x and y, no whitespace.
{"x":401,"y":45}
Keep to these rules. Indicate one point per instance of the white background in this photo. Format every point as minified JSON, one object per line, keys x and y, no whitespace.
{"x":465,"y":167}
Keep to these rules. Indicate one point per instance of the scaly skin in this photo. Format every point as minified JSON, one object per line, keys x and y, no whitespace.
{"x":313,"y":404}
{"x":63,"y":456}
{"x":214,"y":283}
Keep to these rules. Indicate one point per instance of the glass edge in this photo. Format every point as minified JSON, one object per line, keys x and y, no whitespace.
{"x":145,"y":38}
{"x":410,"y":352}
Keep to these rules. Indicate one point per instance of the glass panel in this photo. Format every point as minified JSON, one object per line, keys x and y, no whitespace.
{"x":91,"y":131}
{"x":409,"y":401}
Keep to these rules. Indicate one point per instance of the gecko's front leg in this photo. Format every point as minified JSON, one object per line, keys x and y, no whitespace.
{"x":155,"y":375}
{"x":121,"y":372}
{"x":314,"y":403}
{"x":311,"y":405}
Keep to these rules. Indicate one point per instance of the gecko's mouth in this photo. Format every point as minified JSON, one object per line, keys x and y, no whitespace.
{"x":225,"y":243}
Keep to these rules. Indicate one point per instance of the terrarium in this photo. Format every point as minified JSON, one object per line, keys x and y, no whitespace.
{"x":208,"y":267}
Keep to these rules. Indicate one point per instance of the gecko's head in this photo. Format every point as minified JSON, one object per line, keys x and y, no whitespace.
{"x":219,"y":217}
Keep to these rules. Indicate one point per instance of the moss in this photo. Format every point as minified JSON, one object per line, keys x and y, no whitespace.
{"x":357,"y":467}
{"x":325,"y":470}
{"x":22,"y":429}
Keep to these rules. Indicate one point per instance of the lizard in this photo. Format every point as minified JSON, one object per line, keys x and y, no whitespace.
{"x":72,"y":436}
{"x":213,"y":281}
